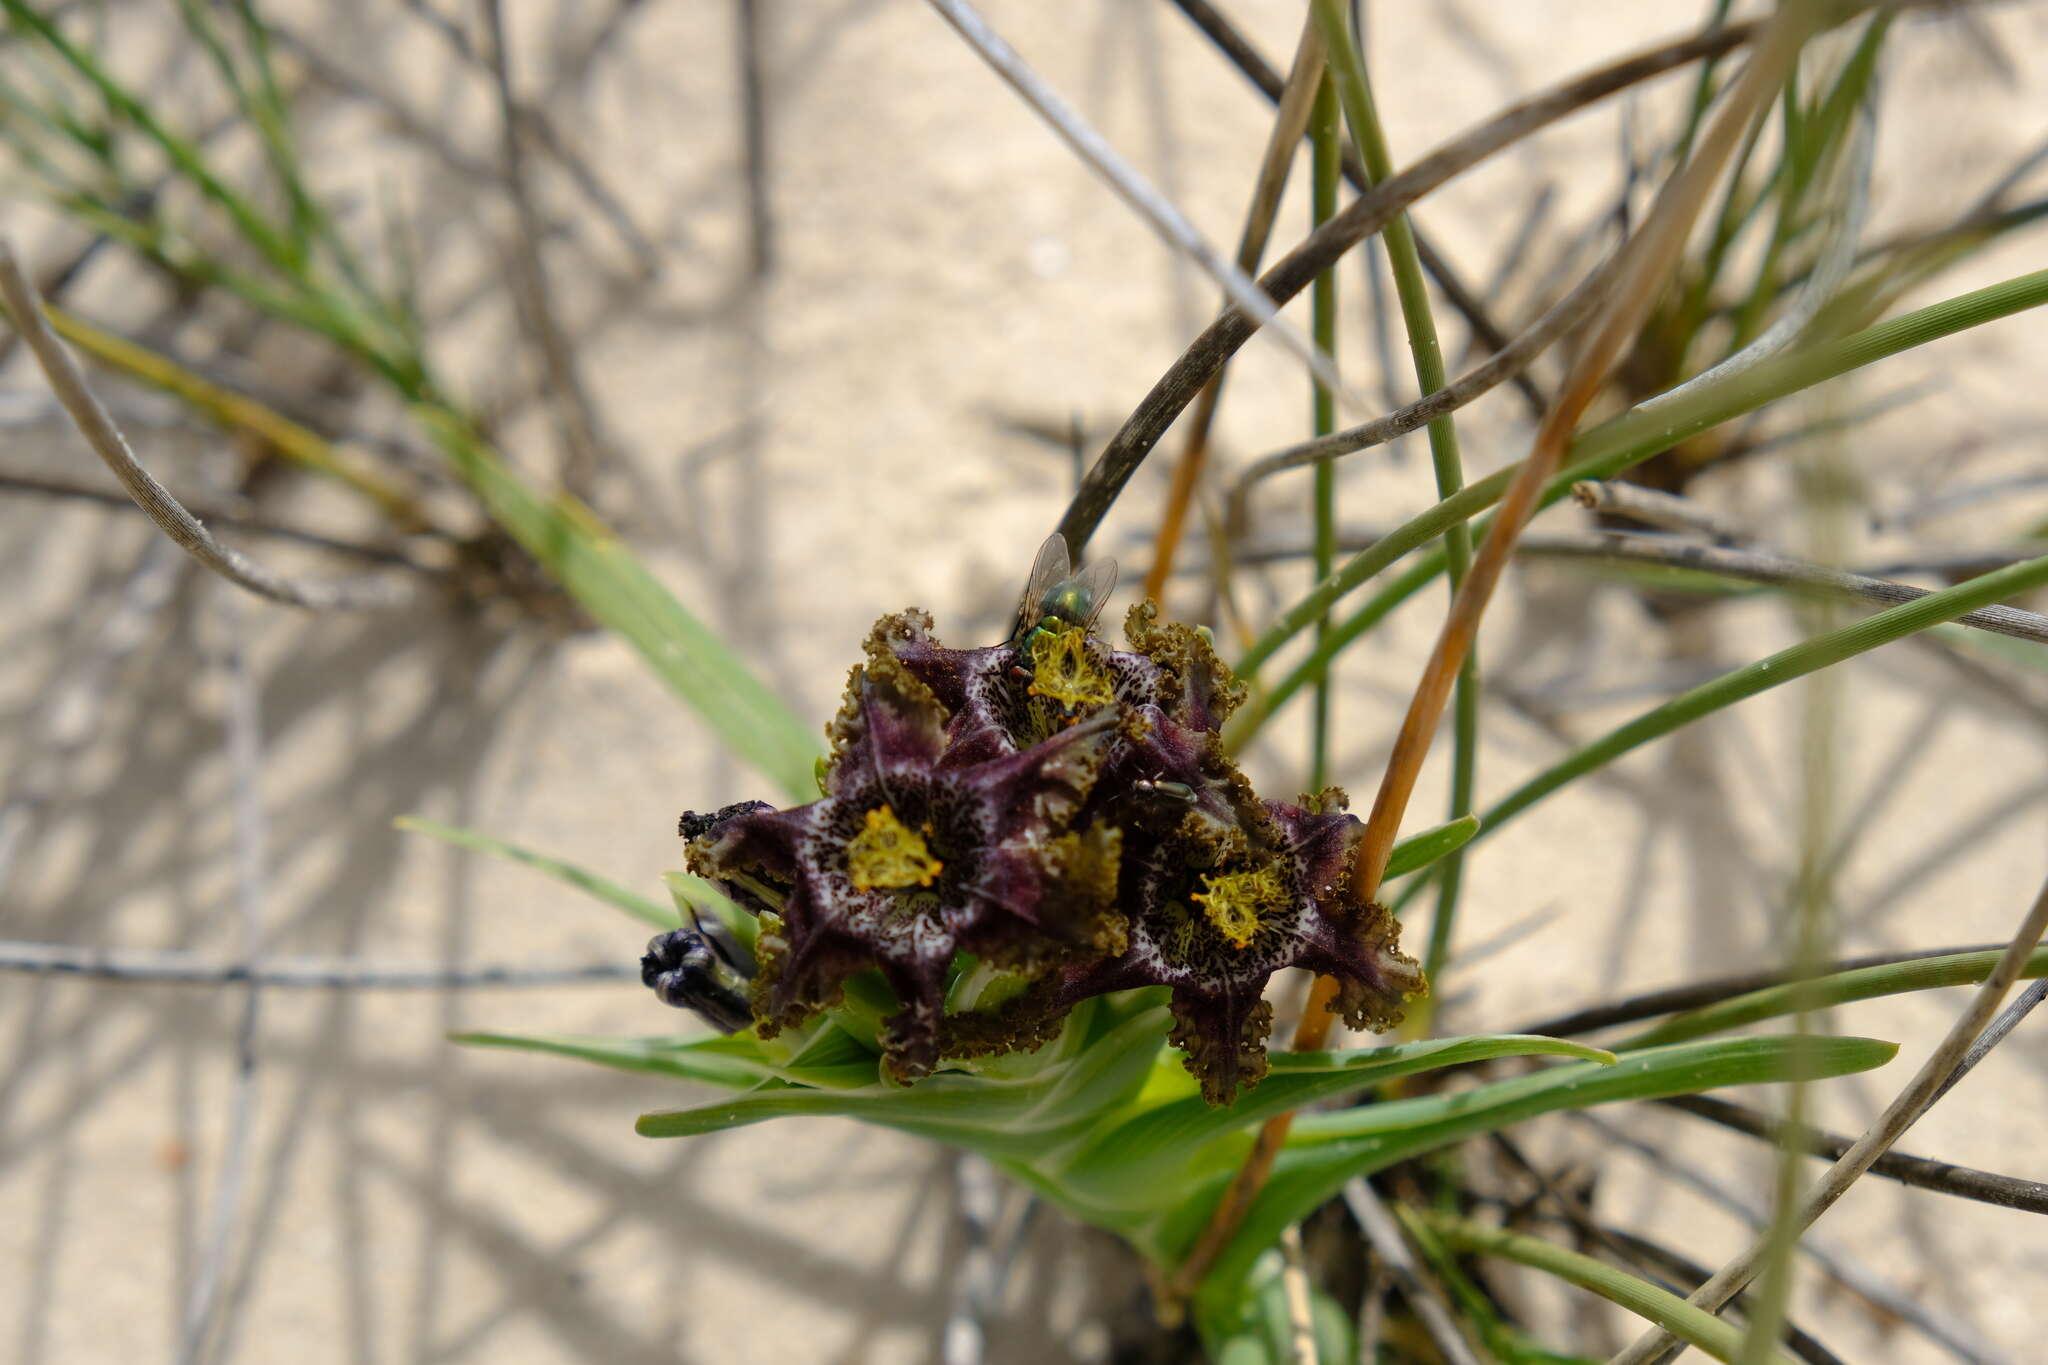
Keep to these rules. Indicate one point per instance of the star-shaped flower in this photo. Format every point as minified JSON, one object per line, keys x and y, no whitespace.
{"x":918,"y":851}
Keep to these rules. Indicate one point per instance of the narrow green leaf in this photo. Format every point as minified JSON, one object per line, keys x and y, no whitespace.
{"x":1808,"y":656}
{"x":590,"y":883}
{"x":1693,"y":1325}
{"x":1418,"y":851}
{"x":1022,"y":1119}
{"x":1864,"y":983}
{"x":616,"y":588}
{"x":1152,"y":1156}
{"x":696,"y":1060}
{"x":1325,"y":1150}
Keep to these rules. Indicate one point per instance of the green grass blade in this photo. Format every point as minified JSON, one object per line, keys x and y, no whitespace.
{"x":1326,"y":162}
{"x":590,"y":883}
{"x":1418,"y":851}
{"x":183,"y":155}
{"x":1820,"y":652}
{"x":964,"y":1110}
{"x":1162,"y":1146}
{"x":1864,"y":983}
{"x":1361,"y":113}
{"x":696,"y":1060}
{"x":1325,"y":1150}
{"x":616,"y":588}
{"x":1692,"y":1325}
{"x":1021,"y":1119}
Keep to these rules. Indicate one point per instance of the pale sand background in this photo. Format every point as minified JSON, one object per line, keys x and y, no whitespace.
{"x":806,"y":457}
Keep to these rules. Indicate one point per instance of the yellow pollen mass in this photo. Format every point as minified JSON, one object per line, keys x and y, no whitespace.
{"x":1237,"y":902}
{"x":888,"y":853}
{"x":1061,"y":670}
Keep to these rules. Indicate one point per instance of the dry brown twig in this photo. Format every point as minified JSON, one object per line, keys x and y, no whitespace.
{"x":1511,"y":360}
{"x":378,"y":593}
{"x":1470,"y":303}
{"x":1654,"y":507}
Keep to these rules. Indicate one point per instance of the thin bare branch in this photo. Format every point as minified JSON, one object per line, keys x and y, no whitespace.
{"x":1168,"y":221}
{"x":1423,"y":1293}
{"x":1475,"y":383}
{"x":1899,"y":1115}
{"x":1682,"y":1271}
{"x":1957,"y":1338}
{"x":1757,"y":566}
{"x":245,"y":755}
{"x":575,"y":413}
{"x":1470,"y":303}
{"x":68,"y":382}
{"x":1750,"y":566}
{"x":2005,"y":1023}
{"x":1654,"y":507}
{"x":143,"y":966}
{"x":1964,"y":1182}
{"x":236,"y":521}
{"x":1290,"y":121}
{"x":1674,"y":1272}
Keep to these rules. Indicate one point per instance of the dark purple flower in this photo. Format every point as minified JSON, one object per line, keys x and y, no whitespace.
{"x":1065,"y":810}
{"x":914,"y":855}
{"x":1214,"y":911}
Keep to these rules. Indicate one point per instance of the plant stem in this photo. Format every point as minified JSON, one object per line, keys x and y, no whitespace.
{"x":1639,"y":1296}
{"x":1327,"y":170}
{"x":1354,"y":88}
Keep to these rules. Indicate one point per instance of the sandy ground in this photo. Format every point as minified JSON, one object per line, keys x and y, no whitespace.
{"x":806,"y":455}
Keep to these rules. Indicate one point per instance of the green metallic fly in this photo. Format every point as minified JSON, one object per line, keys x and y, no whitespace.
{"x":1058,"y":598}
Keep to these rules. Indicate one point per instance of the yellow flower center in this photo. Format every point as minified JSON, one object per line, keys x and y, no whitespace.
{"x":1061,"y":670}
{"x":1237,"y":902}
{"x":888,"y":853}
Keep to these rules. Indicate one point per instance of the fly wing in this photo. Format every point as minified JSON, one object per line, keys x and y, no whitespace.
{"x":1049,"y":569}
{"x":1097,"y":582}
